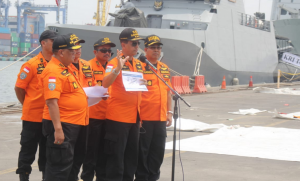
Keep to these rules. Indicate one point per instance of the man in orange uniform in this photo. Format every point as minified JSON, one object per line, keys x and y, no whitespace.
{"x":33,"y":104}
{"x":65,"y":115}
{"x":155,"y":114}
{"x":81,"y":68}
{"x":123,"y":122}
{"x":95,"y":160}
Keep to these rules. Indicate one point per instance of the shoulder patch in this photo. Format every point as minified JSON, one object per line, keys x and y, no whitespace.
{"x":23,"y":76}
{"x":109,"y":68}
{"x":51,"y":86}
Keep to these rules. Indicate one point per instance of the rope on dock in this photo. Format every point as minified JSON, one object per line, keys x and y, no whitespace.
{"x":20,"y":58}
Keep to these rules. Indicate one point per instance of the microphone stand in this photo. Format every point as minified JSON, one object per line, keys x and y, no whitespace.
{"x":175,"y":115}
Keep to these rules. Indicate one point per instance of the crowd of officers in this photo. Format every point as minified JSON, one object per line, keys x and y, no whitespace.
{"x":105,"y":139}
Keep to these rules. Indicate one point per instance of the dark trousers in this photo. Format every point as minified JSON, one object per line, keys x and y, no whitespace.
{"x":151,"y":150}
{"x":94,"y":160}
{"x":121,"y":150}
{"x":31,"y":138}
{"x":64,"y":161}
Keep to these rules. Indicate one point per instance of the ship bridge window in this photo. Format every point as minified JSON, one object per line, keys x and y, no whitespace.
{"x":283,"y":12}
{"x":154,"y":20}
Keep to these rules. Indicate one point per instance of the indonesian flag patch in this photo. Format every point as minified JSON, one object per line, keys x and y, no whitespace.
{"x":109,"y":67}
{"x":26,"y":69}
{"x":52,"y":79}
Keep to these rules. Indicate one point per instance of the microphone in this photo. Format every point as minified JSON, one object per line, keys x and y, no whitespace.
{"x":144,"y":60}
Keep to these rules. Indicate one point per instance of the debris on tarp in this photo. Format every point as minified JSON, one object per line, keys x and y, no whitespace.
{"x":247,"y":111}
{"x":286,"y":91}
{"x":196,"y":126}
{"x":295,"y":115}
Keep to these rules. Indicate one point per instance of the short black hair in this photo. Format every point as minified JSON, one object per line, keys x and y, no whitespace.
{"x":54,"y":50}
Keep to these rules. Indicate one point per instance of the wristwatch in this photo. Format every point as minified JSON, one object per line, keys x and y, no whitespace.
{"x":170,"y":112}
{"x":114,"y":72}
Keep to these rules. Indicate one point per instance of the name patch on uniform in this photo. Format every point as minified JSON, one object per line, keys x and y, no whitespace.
{"x":75,"y":85}
{"x":125,"y":68}
{"x":65,"y":73}
{"x":26,"y":69}
{"x":98,"y":72}
{"x":149,"y":82}
{"x":99,"y":82}
{"x":88,"y":75}
{"x":148,"y":72}
{"x":90,"y":83}
{"x":51,"y":86}
{"x":23,"y":76}
{"x":164,"y":70}
{"x":109,"y":68}
{"x":52,"y":79}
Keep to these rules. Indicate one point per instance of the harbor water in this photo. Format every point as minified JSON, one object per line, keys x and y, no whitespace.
{"x":8,"y":80}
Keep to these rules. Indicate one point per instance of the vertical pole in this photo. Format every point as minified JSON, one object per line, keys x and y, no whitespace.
{"x":57,"y":12}
{"x":278,"y":79}
{"x":18,"y":19}
{"x":25,"y":23}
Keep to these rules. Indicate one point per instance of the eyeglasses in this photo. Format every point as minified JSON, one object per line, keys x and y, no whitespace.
{"x":153,"y":48}
{"x":135,"y":43}
{"x":104,"y":50}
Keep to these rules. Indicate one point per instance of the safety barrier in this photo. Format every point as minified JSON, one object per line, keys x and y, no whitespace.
{"x":185,"y":84}
{"x":199,"y":84}
{"x":177,"y":84}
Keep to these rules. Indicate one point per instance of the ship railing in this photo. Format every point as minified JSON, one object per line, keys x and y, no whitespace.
{"x":254,"y":22}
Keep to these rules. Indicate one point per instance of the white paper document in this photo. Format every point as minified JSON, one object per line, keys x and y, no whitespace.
{"x":131,"y":81}
{"x":95,"y":94}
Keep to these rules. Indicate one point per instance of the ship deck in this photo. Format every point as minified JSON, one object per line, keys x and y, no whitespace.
{"x":210,"y":108}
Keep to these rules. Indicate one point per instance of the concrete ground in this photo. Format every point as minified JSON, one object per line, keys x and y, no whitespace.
{"x":209,"y":108}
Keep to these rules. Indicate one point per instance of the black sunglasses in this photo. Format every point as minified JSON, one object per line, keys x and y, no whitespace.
{"x":135,"y":43}
{"x":104,"y":50}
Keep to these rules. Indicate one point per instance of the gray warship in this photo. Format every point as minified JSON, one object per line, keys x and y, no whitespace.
{"x":214,"y":38}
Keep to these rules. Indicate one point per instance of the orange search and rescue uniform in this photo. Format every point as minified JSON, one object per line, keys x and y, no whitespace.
{"x":123,"y":102}
{"x":98,"y":111}
{"x":59,"y":82}
{"x":156,"y":97}
{"x":84,"y":74}
{"x":28,"y":78}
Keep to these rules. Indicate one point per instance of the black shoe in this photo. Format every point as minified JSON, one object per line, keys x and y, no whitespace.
{"x":43,"y":175}
{"x":24,"y":176}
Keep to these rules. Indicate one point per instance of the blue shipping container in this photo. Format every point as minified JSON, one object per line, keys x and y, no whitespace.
{"x":4,"y":30}
{"x":5,"y":42}
{"x":25,"y":35}
{"x":25,"y":40}
{"x":35,"y":41}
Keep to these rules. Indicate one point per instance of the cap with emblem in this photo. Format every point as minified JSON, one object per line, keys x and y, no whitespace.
{"x":130,"y":34}
{"x":76,"y":39}
{"x":104,"y":41}
{"x":48,"y":34}
{"x":152,"y":39}
{"x":66,"y":42}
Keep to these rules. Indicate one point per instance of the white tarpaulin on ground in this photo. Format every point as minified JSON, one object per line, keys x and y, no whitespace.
{"x":291,"y":58}
{"x":247,"y":111}
{"x":197,"y":126}
{"x":286,"y":116}
{"x":287,"y":91}
{"x":261,"y":142}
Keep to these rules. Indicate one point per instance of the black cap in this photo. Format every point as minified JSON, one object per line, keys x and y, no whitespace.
{"x":130,"y":34}
{"x":152,"y":39}
{"x":76,"y":39}
{"x":48,"y":34}
{"x":104,"y":41}
{"x":66,"y":42}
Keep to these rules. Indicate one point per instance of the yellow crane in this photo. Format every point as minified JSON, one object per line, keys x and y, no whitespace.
{"x":102,"y":12}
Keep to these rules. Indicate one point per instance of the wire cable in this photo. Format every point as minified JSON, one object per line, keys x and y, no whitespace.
{"x":182,"y":170}
{"x":20,"y":58}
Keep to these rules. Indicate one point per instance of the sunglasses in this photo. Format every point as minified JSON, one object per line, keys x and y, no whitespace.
{"x":104,"y":50}
{"x":153,"y":48}
{"x":135,"y":43}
